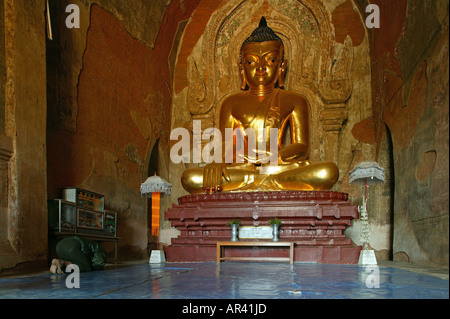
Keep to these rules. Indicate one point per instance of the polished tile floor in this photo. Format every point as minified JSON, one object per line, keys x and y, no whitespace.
{"x":209,"y":280}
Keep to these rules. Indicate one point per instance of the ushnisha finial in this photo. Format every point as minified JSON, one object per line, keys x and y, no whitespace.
{"x":262,"y":33}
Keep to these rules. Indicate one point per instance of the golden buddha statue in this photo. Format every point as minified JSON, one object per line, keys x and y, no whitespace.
{"x":264,"y":105}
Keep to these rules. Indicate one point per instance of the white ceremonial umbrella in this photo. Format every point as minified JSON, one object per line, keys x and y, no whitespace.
{"x":366,"y":173}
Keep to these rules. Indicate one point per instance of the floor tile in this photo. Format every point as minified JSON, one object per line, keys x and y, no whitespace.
{"x":232,"y":281}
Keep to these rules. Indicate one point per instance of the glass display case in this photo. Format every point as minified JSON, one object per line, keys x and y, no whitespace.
{"x":110,"y":223}
{"x":90,"y":222}
{"x":84,"y":199}
{"x":62,"y":216}
{"x":81,"y":212}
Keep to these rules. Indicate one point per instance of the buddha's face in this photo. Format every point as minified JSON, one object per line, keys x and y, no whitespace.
{"x":261,"y":63}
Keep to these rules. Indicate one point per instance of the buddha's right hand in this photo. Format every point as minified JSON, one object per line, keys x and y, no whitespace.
{"x":212,"y":177}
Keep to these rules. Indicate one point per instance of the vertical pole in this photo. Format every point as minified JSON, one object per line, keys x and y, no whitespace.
{"x":365,"y":191}
{"x":155,"y":215}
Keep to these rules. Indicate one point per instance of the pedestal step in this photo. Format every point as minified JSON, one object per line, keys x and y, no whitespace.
{"x":320,"y":254}
{"x":313,"y":220}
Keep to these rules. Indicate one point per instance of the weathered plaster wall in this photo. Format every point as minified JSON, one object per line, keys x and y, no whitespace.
{"x":118,"y":85}
{"x":410,"y":82}
{"x":109,"y":103}
{"x":23,"y":208}
{"x":357,"y":140}
{"x":2,"y":67}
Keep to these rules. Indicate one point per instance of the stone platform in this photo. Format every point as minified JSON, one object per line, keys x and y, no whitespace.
{"x":313,"y":220}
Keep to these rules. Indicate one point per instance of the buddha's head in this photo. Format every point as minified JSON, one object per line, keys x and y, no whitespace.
{"x":262,"y":61}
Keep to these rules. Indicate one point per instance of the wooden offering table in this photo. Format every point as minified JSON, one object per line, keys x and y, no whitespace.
{"x":222,"y":244}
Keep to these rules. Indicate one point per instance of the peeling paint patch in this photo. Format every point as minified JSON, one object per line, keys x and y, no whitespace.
{"x":426,"y":165}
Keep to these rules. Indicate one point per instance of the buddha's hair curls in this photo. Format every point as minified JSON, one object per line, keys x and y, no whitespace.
{"x":261,"y":34}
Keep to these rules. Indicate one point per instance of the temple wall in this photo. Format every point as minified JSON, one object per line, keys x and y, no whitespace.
{"x":410,"y":106}
{"x":109,"y":104}
{"x":23,"y":175}
{"x":87,"y":108}
{"x":109,"y":97}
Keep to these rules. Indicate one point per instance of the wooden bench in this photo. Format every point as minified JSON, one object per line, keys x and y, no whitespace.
{"x":222,"y":244}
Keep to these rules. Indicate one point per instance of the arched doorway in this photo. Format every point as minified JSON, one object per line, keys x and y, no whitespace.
{"x":390,"y":186}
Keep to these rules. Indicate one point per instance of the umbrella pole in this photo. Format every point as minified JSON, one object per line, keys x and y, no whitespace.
{"x":155,"y":216}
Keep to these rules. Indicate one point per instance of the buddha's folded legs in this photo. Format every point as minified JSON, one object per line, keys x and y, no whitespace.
{"x":319,"y":176}
{"x":238,"y":177}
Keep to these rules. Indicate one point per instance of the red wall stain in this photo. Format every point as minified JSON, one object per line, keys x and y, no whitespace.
{"x":347,"y":21}
{"x":118,"y":73}
{"x":194,"y":30}
{"x":115,"y":78}
{"x":402,"y":120}
{"x":386,"y":74}
{"x":364,"y":131}
{"x":164,"y":42}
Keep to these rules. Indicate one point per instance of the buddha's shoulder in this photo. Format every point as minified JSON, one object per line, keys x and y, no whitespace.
{"x":289,"y":94}
{"x":234,"y":99}
{"x":286,"y":97}
{"x":293,"y":99}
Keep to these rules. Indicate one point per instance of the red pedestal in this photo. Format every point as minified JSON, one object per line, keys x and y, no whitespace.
{"x":313,"y":220}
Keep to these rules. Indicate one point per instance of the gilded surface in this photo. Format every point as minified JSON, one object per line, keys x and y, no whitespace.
{"x":264,"y":106}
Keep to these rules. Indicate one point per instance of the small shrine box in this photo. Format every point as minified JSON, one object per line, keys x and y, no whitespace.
{"x":90,"y":222}
{"x":62,"y":216}
{"x":110,"y":224}
{"x":84,"y":199}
